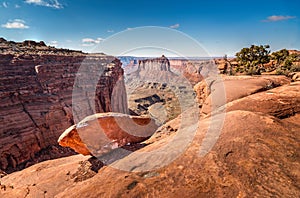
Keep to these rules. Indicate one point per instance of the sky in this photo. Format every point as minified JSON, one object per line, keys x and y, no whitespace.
{"x":219,"y":27}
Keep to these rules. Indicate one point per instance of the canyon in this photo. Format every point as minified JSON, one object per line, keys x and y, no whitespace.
{"x":256,"y":152}
{"x":218,"y":135}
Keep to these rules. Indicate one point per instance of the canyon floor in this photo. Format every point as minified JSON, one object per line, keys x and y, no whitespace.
{"x":253,"y":153}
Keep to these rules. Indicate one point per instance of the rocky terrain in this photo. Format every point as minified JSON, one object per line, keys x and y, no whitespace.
{"x":255,"y":153}
{"x":37,"y":86}
{"x":241,"y":139}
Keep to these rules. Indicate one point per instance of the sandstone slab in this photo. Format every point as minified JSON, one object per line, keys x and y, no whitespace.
{"x":100,"y":133}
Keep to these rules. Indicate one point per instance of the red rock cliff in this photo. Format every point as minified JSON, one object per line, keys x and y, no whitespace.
{"x":36,"y":89}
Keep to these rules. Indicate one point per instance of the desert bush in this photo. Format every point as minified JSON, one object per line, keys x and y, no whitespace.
{"x":253,"y":58}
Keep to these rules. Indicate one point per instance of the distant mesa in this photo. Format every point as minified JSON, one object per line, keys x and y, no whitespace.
{"x":153,"y":70}
{"x":161,"y":64}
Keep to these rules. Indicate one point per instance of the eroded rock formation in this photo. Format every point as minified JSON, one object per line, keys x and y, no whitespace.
{"x":153,"y":70}
{"x":256,"y":154}
{"x":100,"y":133}
{"x":37,"y":84}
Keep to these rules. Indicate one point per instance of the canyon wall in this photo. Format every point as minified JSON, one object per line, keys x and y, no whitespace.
{"x":160,"y":64}
{"x":36,"y":92}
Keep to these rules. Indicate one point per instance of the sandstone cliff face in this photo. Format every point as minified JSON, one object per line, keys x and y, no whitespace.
{"x":161,"y":64}
{"x":152,"y":70}
{"x":36,"y":88}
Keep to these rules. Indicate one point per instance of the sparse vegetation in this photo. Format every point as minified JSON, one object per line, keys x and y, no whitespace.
{"x":284,"y":62}
{"x":252,"y":59}
{"x":257,"y":59}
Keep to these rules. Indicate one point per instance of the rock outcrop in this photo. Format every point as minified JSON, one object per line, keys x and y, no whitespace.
{"x":153,"y":70}
{"x":234,"y":87}
{"x":100,"y":133}
{"x":37,"y":86}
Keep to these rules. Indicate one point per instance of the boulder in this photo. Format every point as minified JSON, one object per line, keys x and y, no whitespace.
{"x":100,"y":133}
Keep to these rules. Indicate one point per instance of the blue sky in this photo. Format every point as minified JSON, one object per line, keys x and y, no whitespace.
{"x":221,"y":27}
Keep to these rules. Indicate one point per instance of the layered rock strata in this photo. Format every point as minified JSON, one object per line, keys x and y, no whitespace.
{"x":37,"y":86}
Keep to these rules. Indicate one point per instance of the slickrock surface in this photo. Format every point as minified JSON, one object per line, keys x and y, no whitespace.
{"x":255,"y":152}
{"x":256,"y":155}
{"x":100,"y":133}
{"x":232,"y":88}
{"x":36,"y":84}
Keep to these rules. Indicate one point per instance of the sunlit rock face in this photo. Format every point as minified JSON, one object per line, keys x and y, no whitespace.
{"x":100,"y":133}
{"x":36,"y":89}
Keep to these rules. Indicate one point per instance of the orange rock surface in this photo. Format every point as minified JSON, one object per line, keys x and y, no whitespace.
{"x":100,"y":133}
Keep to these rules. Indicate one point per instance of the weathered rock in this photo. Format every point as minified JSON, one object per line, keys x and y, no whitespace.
{"x":296,"y":76}
{"x":231,"y":88}
{"x":281,"y":102}
{"x":100,"y":133}
{"x":37,"y":180}
{"x":37,"y":97}
{"x":152,"y":70}
{"x":160,"y":64}
{"x":255,"y":155}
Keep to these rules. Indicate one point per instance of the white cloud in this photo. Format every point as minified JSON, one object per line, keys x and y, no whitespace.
{"x":15,"y":24}
{"x":53,"y":43}
{"x":275,"y":18}
{"x":129,"y":28}
{"x":86,"y":42}
{"x":175,"y":26}
{"x":17,"y":6}
{"x":33,"y":1}
{"x":110,"y":31}
{"x":5,"y":4}
{"x":47,"y":3}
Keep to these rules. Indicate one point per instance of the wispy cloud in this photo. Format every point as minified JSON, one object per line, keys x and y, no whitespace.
{"x":175,"y":26}
{"x":5,"y":4}
{"x":110,"y":31}
{"x":275,"y":18}
{"x":15,"y":24}
{"x":47,"y":3}
{"x":53,"y":43}
{"x":17,"y":6}
{"x":86,"y":42}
